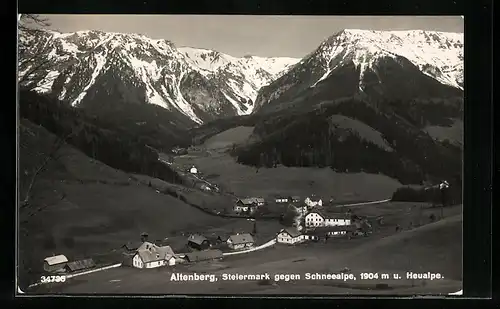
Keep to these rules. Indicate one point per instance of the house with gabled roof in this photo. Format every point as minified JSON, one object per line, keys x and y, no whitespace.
{"x":240,"y":241}
{"x":313,"y":201}
{"x":150,"y":255}
{"x":55,"y":263}
{"x":198,"y":242}
{"x":248,"y":204}
{"x":290,"y":235}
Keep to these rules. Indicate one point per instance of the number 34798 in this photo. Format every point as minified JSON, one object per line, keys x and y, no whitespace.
{"x":49,"y":279}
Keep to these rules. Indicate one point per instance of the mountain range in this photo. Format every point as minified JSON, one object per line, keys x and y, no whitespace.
{"x":202,"y":85}
{"x":197,"y":84}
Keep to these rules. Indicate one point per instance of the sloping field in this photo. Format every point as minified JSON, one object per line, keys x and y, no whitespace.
{"x":248,"y":181}
{"x":435,"y":247}
{"x":454,"y":133}
{"x":362,"y":130}
{"x":226,"y":139}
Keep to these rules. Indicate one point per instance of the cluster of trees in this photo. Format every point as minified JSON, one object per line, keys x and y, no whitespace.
{"x":308,"y":140}
{"x":115,"y":147}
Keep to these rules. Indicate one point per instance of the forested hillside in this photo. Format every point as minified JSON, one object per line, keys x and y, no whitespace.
{"x":118,"y":144}
{"x":312,"y":139}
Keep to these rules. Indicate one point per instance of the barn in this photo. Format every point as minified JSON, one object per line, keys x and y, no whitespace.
{"x":204,"y":255}
{"x":79,"y":265}
{"x":240,"y":241}
{"x":55,"y":263}
{"x":290,"y":235}
{"x":198,"y":242}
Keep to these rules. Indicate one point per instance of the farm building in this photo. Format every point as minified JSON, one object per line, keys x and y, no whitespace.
{"x":317,"y":218}
{"x":313,"y":201}
{"x":294,"y":199}
{"x":193,"y":170}
{"x":151,"y":256}
{"x":248,"y":204}
{"x":55,"y":263}
{"x":204,"y":255}
{"x":198,"y":242}
{"x":290,"y":236}
{"x":281,"y":199}
{"x":330,"y":231}
{"x":240,"y":241}
{"x":79,"y":265}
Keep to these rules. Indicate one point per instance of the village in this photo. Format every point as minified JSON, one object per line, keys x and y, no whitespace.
{"x":310,"y":219}
{"x":309,"y":222}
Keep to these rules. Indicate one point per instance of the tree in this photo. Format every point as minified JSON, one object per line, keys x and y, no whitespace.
{"x":32,"y":63}
{"x":54,"y":154}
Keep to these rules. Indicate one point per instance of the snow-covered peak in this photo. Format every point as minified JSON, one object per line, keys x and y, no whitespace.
{"x":437,"y":54}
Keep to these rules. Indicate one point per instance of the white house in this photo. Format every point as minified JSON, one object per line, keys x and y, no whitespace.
{"x":55,"y":263}
{"x":313,"y":201}
{"x":240,"y":241}
{"x":281,"y":199}
{"x":193,"y":170}
{"x":290,"y":236}
{"x":318,"y":219}
{"x":149,"y":255}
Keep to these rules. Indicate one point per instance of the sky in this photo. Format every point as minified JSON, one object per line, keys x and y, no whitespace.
{"x":240,"y":35}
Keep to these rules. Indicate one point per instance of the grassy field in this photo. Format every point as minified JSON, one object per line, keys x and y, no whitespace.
{"x":214,"y":160}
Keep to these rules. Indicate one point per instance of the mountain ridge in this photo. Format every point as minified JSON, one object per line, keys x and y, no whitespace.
{"x":438,"y":55}
{"x":156,"y":68}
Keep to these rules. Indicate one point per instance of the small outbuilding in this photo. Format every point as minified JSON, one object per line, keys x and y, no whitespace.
{"x":204,"y":255}
{"x":198,"y":242}
{"x":55,"y":263}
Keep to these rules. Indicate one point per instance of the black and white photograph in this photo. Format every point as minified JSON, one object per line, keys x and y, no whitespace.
{"x":239,"y":155}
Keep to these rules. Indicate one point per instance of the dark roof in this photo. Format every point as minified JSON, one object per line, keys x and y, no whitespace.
{"x":197,"y":239}
{"x":292,"y":231}
{"x":319,"y":213}
{"x":251,"y":200}
{"x":241,"y":238}
{"x":315,"y":198}
{"x":155,"y":253}
{"x":203,"y":255}
{"x":133,"y":245}
{"x":79,"y":265}
{"x":336,"y":228}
